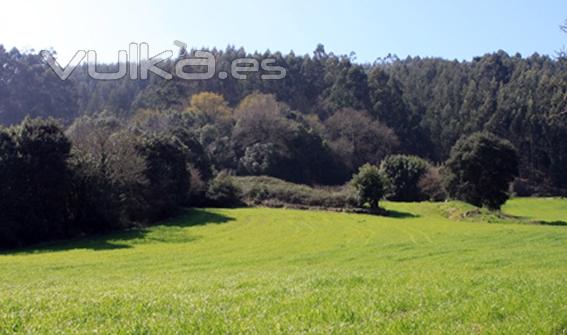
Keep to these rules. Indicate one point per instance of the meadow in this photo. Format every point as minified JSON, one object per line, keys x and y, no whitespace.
{"x":423,"y":269}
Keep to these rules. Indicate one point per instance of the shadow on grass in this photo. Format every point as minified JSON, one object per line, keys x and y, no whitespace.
{"x":503,"y":217}
{"x":195,"y":217}
{"x":552,"y":223}
{"x":127,"y":238}
{"x":400,"y":215}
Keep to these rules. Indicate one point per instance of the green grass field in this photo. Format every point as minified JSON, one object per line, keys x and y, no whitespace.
{"x":268,"y":271}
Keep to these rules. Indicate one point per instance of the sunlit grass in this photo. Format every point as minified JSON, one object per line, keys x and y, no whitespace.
{"x":285,"y":271}
{"x":544,"y":209}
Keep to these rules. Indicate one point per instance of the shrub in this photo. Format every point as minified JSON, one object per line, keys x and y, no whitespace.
{"x":402,"y":174}
{"x":271,"y":191}
{"x":369,"y":184}
{"x":223,"y":192}
{"x":480,"y":170}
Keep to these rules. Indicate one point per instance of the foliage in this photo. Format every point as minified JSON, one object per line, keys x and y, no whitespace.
{"x":94,"y":204}
{"x":29,"y":88}
{"x":260,"y":118}
{"x":167,"y":175}
{"x":317,"y":126}
{"x":194,"y":152}
{"x":358,"y":139}
{"x":9,"y":166}
{"x":34,"y":158}
{"x":223,"y":192}
{"x":126,"y":169}
{"x":431,"y":184}
{"x":369,"y":184}
{"x":480,"y":170}
{"x":107,"y":178}
{"x":402,"y":174}
{"x":259,"y":159}
{"x":427,"y":103}
{"x":276,"y":192}
{"x":197,"y":189}
{"x":210,"y":107}
{"x":43,"y":179}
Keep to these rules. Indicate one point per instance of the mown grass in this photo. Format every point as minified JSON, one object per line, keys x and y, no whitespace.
{"x":271,"y":271}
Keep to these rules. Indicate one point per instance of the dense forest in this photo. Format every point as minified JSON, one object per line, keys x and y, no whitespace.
{"x":328,"y":116}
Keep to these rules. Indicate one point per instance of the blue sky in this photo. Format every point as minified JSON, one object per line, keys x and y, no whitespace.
{"x":372,"y":29}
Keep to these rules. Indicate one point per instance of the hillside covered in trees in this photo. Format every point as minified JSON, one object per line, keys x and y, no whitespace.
{"x":325,"y":119}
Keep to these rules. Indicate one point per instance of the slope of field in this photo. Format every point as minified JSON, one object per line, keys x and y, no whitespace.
{"x":543,"y":209}
{"x":284,"y":271}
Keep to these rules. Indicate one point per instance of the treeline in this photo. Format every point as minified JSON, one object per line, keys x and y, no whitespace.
{"x":102,"y":173}
{"x":108,"y":170}
{"x":347,"y":113}
{"x":99,"y":175}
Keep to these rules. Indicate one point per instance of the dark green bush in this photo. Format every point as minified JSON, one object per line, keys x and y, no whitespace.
{"x":272,"y":191}
{"x":94,"y":204}
{"x":42,"y":180}
{"x":223,"y":192}
{"x":369,"y":184}
{"x":480,"y":170}
{"x":402,"y":174}
{"x":168,"y":179}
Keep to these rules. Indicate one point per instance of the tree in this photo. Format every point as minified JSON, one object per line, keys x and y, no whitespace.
{"x":43,"y":180}
{"x":297,"y":152}
{"x":210,"y":107}
{"x":427,"y":102}
{"x":167,"y":175}
{"x":402,"y":174}
{"x":259,"y":159}
{"x":28,"y":87}
{"x":431,"y":184}
{"x":94,"y":203}
{"x":126,"y":168}
{"x":261,"y":118}
{"x":358,"y":139}
{"x":369,"y":185}
{"x":348,"y":86}
{"x":194,"y":152}
{"x":480,"y":170}
{"x":390,"y":108}
{"x":310,"y":160}
{"x":9,"y":226}
{"x":218,"y":147}
{"x":91,"y":136}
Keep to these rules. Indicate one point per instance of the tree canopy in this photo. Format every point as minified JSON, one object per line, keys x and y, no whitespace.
{"x":480,"y":170}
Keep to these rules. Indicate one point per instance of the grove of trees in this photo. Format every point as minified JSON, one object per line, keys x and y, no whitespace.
{"x":345,"y":113}
{"x":84,"y":156}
